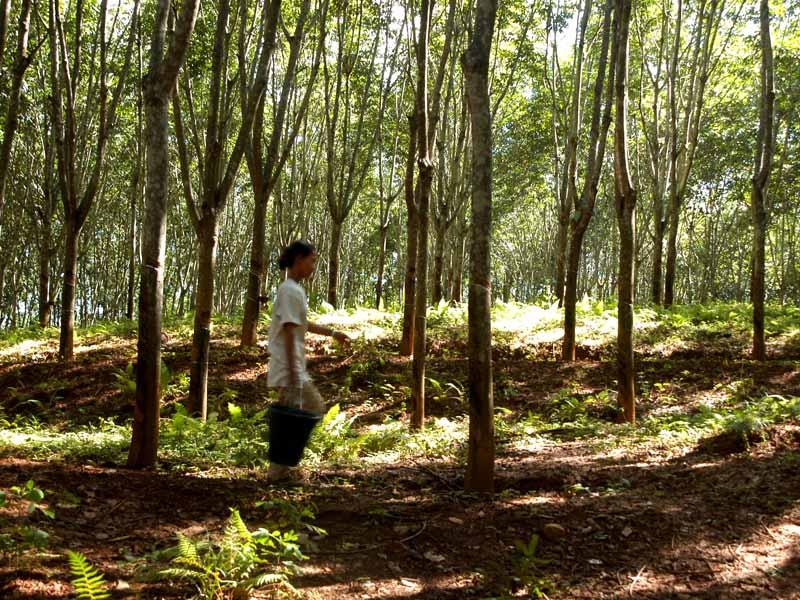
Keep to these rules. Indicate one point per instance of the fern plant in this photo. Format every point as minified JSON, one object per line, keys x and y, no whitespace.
{"x":240,"y":562}
{"x":335,"y":438}
{"x":89,"y":583}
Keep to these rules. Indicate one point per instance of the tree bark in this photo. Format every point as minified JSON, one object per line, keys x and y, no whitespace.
{"x":568,"y":191}
{"x":204,"y":306}
{"x":78,"y":197}
{"x":438,"y":260}
{"x":138,"y":180}
{"x":425,"y":182}
{"x":5,"y":14}
{"x":45,"y":304}
{"x":218,"y":173}
{"x":625,"y":203}
{"x":684,"y":143}
{"x":412,"y":242}
{"x":66,"y":350}
{"x":21,"y":64}
{"x":265,"y":170}
{"x":252,"y":306}
{"x":384,"y":230}
{"x":158,"y":85}
{"x":585,"y":207}
{"x":763,"y":166}
{"x":333,"y":263}
{"x":475,"y":62}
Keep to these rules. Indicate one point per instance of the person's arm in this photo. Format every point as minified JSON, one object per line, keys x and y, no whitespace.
{"x":288,"y":337}
{"x":322,"y":330}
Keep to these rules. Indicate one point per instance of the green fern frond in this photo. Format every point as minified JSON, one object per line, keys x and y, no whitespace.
{"x":266,"y":579}
{"x":186,"y":548}
{"x":88,"y":582}
{"x":178,"y":573}
{"x":238,"y":524}
{"x":189,"y":563}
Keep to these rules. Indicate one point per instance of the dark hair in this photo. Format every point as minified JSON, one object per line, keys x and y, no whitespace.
{"x":295,"y":250}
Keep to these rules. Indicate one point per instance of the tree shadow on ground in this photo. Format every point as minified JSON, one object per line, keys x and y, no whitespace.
{"x":413,"y":522}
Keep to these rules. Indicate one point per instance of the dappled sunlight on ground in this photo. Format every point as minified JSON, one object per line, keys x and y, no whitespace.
{"x":650,"y":512}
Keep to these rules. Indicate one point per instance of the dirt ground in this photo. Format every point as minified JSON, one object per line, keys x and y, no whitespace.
{"x":622,"y":521}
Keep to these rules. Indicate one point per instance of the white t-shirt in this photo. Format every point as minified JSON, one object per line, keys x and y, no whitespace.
{"x":291,"y":306}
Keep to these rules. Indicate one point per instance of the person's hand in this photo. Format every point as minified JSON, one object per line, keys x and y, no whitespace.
{"x":341,"y":337}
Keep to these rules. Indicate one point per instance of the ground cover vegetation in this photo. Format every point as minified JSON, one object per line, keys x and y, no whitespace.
{"x":585,"y":504}
{"x":579,"y":374}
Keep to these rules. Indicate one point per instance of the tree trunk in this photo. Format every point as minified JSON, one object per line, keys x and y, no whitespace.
{"x":66,"y":340}
{"x":204,"y":306}
{"x":658,"y":250}
{"x":132,"y":251}
{"x":265,"y":173}
{"x":425,"y":182}
{"x":158,"y":85}
{"x":144,"y":443}
{"x":412,"y":242}
{"x":252,"y":307}
{"x":45,"y":304}
{"x":571,"y":294}
{"x":384,"y":230}
{"x":438,"y":259}
{"x":5,"y":13}
{"x":333,"y":263}
{"x":585,"y":208}
{"x":672,"y":250}
{"x":475,"y":62}
{"x":136,"y":191}
{"x":21,"y":64}
{"x":458,"y":271}
{"x":3,"y":266}
{"x":568,"y":190}
{"x":562,"y":237}
{"x":625,"y":202}
{"x":763,"y":166}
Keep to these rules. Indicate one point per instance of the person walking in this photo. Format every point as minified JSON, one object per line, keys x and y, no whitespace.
{"x":287,"y":334}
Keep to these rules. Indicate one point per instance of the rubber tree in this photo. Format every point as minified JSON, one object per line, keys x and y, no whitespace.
{"x":137,"y":182}
{"x":22,"y":60}
{"x":625,"y":205}
{"x":567,"y":191}
{"x":452,"y":178}
{"x":765,"y":149}
{"x":656,"y":142}
{"x":425,"y":179}
{"x":217,"y":172}
{"x":79,"y":187}
{"x":43,"y":213}
{"x":414,"y":244}
{"x":158,"y":85}
{"x":349,"y":143}
{"x":685,"y":131}
{"x":475,"y":63}
{"x":265,"y":163}
{"x":386,"y":195}
{"x":583,"y":209}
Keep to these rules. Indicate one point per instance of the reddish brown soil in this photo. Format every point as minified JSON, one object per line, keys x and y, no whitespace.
{"x":716,"y":521}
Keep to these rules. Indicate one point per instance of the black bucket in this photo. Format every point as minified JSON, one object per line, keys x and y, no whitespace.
{"x":289,"y":430}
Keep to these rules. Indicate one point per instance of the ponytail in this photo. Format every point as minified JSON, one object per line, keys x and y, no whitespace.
{"x":295,"y":250}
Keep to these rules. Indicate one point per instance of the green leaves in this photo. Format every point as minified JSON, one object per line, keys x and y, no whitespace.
{"x":88,"y":581}
{"x":241,"y":560}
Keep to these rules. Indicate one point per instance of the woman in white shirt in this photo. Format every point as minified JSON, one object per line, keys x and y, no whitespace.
{"x":287,"y":332}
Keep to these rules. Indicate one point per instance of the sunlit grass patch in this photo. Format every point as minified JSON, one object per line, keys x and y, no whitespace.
{"x":102,"y":442}
{"x":361,"y":322}
{"x":27,"y":343}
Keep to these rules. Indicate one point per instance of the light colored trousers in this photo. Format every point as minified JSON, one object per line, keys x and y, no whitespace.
{"x":311,"y":399}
